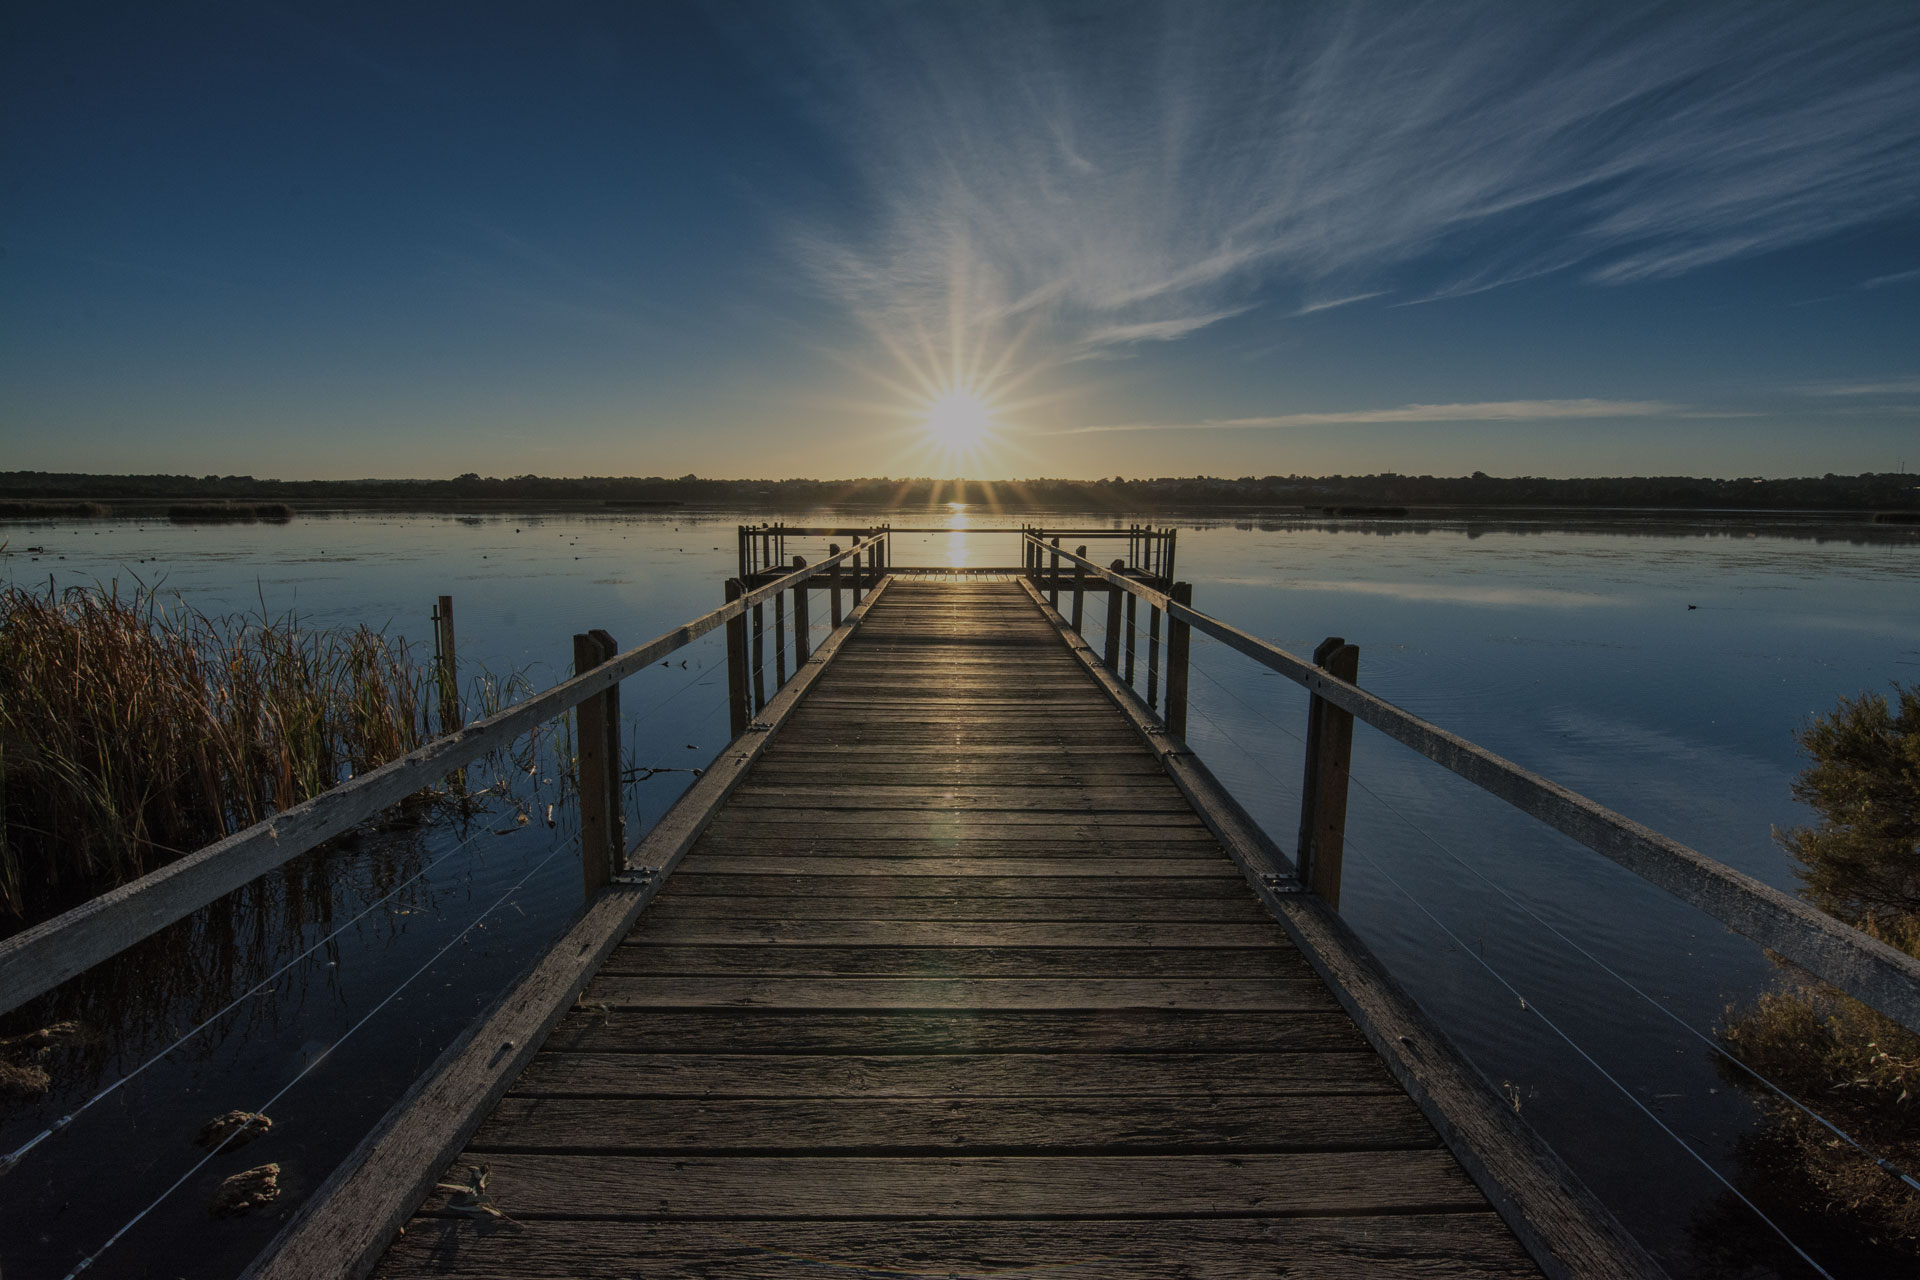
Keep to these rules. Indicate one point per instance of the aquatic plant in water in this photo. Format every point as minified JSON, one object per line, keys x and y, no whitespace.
{"x":1861,"y":863}
{"x":134,"y":729}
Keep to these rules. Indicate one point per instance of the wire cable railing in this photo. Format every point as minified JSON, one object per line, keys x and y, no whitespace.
{"x":13,"y":1157}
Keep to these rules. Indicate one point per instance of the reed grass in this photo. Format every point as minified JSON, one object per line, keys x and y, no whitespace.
{"x":229,"y":512}
{"x":45,"y":508}
{"x":135,"y":729}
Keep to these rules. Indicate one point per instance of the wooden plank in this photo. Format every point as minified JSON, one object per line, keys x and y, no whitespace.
{"x":1109,"y":868}
{"x":908,"y":789}
{"x":930,"y":773}
{"x":960,"y":993}
{"x":957,"y":1126}
{"x":538,"y":1186}
{"x":351,"y":1218}
{"x":980,"y":1031}
{"x":960,"y":831}
{"x":1111,"y":801}
{"x":1120,"y":747}
{"x":891,"y":710}
{"x":1445,"y":1246}
{"x":958,"y":908}
{"x":1151,"y":894}
{"x":1036,"y":729}
{"x":998,"y":683}
{"x":960,"y":669}
{"x":647,"y":955}
{"x":879,"y":843}
{"x":998,"y":700}
{"x":830,"y":820}
{"x":1196,"y":1076}
{"x":905,"y":735}
{"x":971,"y":665}
{"x":1025,"y":718}
{"x":659,"y":926}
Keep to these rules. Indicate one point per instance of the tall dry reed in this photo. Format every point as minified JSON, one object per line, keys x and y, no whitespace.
{"x":134,"y":729}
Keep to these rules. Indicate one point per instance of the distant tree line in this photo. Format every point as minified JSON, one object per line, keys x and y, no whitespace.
{"x":1369,"y":494}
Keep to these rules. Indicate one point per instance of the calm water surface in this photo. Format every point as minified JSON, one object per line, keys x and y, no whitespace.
{"x":1587,"y":996}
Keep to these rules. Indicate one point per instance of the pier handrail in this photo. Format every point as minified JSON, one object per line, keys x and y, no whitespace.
{"x":1863,"y":967}
{"x":40,"y":958}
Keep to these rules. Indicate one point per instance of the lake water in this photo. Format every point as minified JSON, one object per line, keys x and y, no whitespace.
{"x":1658,"y":668}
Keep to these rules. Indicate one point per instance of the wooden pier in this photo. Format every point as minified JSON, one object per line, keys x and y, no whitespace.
{"x":958,"y":983}
{"x":956,"y":962}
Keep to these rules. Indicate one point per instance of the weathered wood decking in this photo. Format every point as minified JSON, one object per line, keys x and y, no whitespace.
{"x":959,"y":984}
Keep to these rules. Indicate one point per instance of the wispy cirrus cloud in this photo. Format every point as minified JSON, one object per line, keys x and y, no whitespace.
{"x":1897,"y":277}
{"x":1328,"y":304}
{"x":1887,"y":387}
{"x":1128,"y":174}
{"x":1482,"y":411}
{"x":1156,"y":330}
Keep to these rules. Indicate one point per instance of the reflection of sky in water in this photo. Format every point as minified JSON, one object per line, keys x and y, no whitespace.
{"x":1573,"y":653}
{"x":1456,"y":593}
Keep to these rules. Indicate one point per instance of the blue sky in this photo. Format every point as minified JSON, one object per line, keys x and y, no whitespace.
{"x":761,"y":239}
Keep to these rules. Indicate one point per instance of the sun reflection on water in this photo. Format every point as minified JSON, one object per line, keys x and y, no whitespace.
{"x":957,"y":540}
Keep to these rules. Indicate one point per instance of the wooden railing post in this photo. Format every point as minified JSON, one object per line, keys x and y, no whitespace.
{"x":802,"y":628}
{"x":1113,"y":621}
{"x":1132,"y":624}
{"x":833,"y":587}
{"x":447,"y":666}
{"x":737,"y":715}
{"x":597,"y":798}
{"x":1053,"y":578}
{"x":1323,"y":792}
{"x":854,"y":562}
{"x":1179,"y":637}
{"x":1079,"y":592}
{"x":610,"y":704}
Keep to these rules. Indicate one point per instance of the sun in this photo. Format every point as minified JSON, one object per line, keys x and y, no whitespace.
{"x":958,"y":420}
